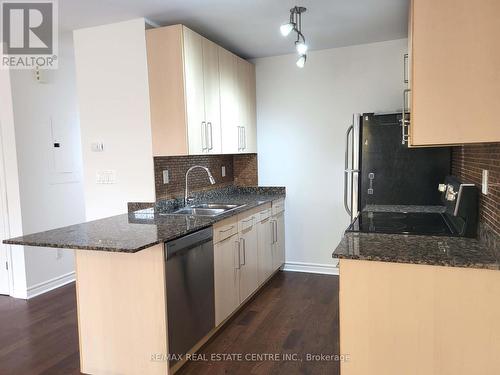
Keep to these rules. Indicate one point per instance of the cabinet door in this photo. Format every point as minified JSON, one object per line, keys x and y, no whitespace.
{"x":228,"y":101}
{"x":194,"y":91}
{"x":226,"y":275}
{"x":249,"y":274}
{"x":251,"y":126}
{"x":211,"y":83}
{"x":455,"y":63}
{"x":280,"y":238}
{"x":265,"y":247}
{"x":246,"y":112}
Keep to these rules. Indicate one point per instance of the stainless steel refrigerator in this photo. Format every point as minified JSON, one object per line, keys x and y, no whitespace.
{"x":380,"y":170}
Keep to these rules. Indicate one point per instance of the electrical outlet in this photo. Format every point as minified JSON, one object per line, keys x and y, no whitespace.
{"x":484,"y":184}
{"x":223,"y":171}
{"x":166,"y":179}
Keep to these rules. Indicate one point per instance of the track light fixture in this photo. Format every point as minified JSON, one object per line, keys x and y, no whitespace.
{"x":295,"y":24}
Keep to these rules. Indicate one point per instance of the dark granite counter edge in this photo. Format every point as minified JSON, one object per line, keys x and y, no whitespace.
{"x":213,"y":220}
{"x":492,"y":263}
{"x":80,"y":247}
{"x":488,"y":266}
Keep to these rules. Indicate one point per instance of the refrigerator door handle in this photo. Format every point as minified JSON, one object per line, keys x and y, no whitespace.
{"x":347,"y":171}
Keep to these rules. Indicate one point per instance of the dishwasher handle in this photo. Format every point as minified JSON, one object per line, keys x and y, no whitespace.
{"x":187,"y":242}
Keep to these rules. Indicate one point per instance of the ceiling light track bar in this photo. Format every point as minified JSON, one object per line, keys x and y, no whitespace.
{"x":295,"y":24}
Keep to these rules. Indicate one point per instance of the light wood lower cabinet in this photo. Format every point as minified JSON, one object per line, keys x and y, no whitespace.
{"x":249,"y":274}
{"x":121,"y":308}
{"x":248,"y":249}
{"x":226,"y":274}
{"x":418,"y":319}
{"x":279,"y":245}
{"x":265,"y":249}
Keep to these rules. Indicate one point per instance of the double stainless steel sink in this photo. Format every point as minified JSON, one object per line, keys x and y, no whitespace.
{"x":206,"y":209}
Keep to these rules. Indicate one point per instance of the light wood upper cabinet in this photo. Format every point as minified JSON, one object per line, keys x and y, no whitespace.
{"x":192,"y":61}
{"x":229,"y":101}
{"x":455,"y":74}
{"x":211,"y":91}
{"x":201,"y":95}
{"x":246,"y":108}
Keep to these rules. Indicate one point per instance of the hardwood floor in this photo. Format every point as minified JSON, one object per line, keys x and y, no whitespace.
{"x":39,"y":336}
{"x":294,"y":314}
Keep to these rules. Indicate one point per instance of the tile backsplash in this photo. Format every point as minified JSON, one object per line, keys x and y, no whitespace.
{"x":241,"y":170}
{"x":468,"y":162}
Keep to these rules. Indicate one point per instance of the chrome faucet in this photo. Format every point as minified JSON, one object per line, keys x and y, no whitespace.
{"x":210,"y":177}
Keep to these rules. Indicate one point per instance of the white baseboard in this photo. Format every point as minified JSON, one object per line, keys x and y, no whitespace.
{"x":45,"y":286}
{"x":326,"y":269}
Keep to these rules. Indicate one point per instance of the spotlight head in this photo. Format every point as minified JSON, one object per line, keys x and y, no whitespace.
{"x":286,"y":28}
{"x":301,"y":47}
{"x":301,"y":61}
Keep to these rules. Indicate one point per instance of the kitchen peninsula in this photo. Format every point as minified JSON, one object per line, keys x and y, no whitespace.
{"x":121,"y":273}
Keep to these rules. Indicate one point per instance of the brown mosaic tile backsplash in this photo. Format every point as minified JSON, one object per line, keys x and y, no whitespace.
{"x":467,"y":164}
{"x":241,"y":170}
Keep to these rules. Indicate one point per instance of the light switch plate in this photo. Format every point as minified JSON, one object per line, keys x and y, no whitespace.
{"x":106,"y":177}
{"x":223,"y":171}
{"x":97,"y":147}
{"x":166,"y":179}
{"x":484,"y":184}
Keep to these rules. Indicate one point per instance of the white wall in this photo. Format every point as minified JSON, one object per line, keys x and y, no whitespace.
{"x":50,"y":186}
{"x":113,"y":96}
{"x":302,"y":116}
{"x":9,"y":188}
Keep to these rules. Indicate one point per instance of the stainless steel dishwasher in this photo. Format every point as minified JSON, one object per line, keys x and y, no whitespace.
{"x":190,"y":290}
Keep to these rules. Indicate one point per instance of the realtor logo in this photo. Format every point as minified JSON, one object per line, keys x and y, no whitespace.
{"x":29,"y":34}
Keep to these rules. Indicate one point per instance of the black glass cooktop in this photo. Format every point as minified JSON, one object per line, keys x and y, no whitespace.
{"x":423,"y":223}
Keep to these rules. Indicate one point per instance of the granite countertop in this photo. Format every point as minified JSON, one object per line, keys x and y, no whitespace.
{"x":416,"y":249}
{"x":135,"y":231}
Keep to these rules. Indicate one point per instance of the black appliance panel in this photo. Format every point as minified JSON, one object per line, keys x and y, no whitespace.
{"x":401,"y":175}
{"x":421,"y":223}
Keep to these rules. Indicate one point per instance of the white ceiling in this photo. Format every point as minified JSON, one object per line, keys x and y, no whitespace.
{"x":250,"y":28}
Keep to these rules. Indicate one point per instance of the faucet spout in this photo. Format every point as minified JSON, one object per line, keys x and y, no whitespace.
{"x":210,"y":178}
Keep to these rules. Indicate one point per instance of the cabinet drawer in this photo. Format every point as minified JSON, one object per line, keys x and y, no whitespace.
{"x":251,"y":217}
{"x":278,"y":206}
{"x":264,"y":214}
{"x":225,"y":229}
{"x":247,"y":222}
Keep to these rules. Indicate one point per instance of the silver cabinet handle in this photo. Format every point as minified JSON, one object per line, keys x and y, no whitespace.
{"x":237,"y":248}
{"x":244,"y":138}
{"x":244,"y":252}
{"x":241,"y":246}
{"x":272,"y":231}
{"x":226,"y":230}
{"x":203,"y":135}
{"x":405,"y":122}
{"x":209,"y":136}
{"x":239,"y":138}
{"x":247,"y":220}
{"x":405,"y":72}
{"x":276,"y":231}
